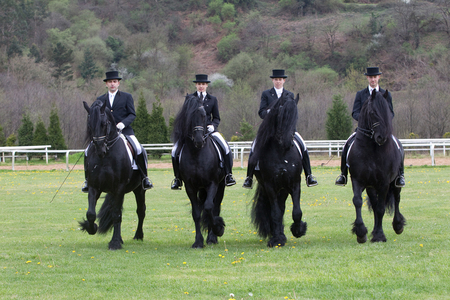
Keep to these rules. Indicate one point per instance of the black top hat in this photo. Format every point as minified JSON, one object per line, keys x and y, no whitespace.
{"x":278,"y":74}
{"x":110,"y":75}
{"x":201,"y":78}
{"x":372,"y":71}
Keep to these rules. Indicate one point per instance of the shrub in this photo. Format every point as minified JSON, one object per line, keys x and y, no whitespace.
{"x":228,"y":47}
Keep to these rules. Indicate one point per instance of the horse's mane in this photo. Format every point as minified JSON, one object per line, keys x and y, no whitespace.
{"x":181,"y":126}
{"x":376,"y":109}
{"x":280,"y":123}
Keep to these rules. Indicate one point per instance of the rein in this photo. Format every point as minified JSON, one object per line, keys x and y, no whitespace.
{"x":103,"y":138}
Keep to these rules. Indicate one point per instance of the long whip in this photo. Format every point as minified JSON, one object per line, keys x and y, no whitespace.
{"x":67,"y":176}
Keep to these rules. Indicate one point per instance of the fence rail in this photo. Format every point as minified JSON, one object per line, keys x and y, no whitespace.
{"x":241,"y":149}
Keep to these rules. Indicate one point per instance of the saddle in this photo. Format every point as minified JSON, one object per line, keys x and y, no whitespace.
{"x":216,"y":146}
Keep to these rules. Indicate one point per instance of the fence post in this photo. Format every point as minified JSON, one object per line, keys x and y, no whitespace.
{"x":242,"y":157}
{"x":13,"y":153}
{"x":67,"y":160}
{"x":432,"y":154}
{"x":46,"y":155}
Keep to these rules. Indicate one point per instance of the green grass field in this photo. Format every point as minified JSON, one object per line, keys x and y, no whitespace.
{"x":43,"y":254}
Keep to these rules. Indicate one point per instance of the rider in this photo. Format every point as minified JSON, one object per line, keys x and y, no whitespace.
{"x":373,"y":76}
{"x":212,"y":121}
{"x":267,"y":97}
{"x":121,"y":105}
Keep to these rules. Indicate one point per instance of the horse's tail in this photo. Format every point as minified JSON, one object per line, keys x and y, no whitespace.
{"x":105,"y":216}
{"x":390,"y":199}
{"x":261,"y":212}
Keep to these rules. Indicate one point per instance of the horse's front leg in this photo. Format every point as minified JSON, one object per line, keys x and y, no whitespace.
{"x":197,"y":208}
{"x":377,"y":200}
{"x":276,"y":218}
{"x":399,"y":221}
{"x":217,"y":226}
{"x":358,"y":226}
{"x":116,"y":214}
{"x":89,"y":225}
{"x":139,"y":193}
{"x":215,"y":223}
{"x":298,"y":228}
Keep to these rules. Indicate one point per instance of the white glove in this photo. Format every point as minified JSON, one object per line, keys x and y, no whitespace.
{"x":268,"y":110}
{"x":210,"y":128}
{"x":120,"y":126}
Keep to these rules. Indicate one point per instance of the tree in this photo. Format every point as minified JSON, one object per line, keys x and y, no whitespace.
{"x":247,"y":132}
{"x":34,"y":52}
{"x":55,"y":137}
{"x":118,"y":48}
{"x":157,"y":131}
{"x":25,"y":133}
{"x":40,"y":134}
{"x":62,"y":58}
{"x":11,"y":140}
{"x":2,"y":137}
{"x":88,"y":69}
{"x":339,"y":122}
{"x":141,"y":124}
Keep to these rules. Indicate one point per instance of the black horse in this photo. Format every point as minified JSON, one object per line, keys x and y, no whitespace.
{"x":279,"y":174}
{"x":108,"y":169}
{"x":200,"y":170}
{"x":374,"y":160}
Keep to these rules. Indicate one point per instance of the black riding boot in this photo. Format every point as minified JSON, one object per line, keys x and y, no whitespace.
{"x":176,"y":183}
{"x":141,"y":161}
{"x":248,"y":183}
{"x":342,"y":178}
{"x":85,"y":187}
{"x":310,"y":179}
{"x":228,"y":166}
{"x":400,"y":180}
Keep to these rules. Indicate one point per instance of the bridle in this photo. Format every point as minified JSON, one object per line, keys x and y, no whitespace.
{"x":369,"y":132}
{"x":98,"y":139}
{"x":202,"y":129}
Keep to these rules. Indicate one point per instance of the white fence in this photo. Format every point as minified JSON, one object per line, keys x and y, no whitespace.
{"x":241,"y":149}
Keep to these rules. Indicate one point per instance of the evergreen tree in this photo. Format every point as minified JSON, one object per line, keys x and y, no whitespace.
{"x":141,"y":124}
{"x":55,"y":137}
{"x":2,"y":137}
{"x":117,"y":46}
{"x":40,"y":134}
{"x":247,"y":131}
{"x":157,"y":131}
{"x":88,"y":69}
{"x":62,"y":59}
{"x":11,"y":140}
{"x":339,"y":122}
{"x":25,"y":133}
{"x":34,"y":52}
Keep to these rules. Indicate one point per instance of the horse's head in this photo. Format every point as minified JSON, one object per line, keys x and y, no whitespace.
{"x":191,"y":122}
{"x":375,"y":120}
{"x":280,"y":123}
{"x":100,"y":126}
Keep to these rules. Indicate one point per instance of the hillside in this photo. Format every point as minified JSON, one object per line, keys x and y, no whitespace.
{"x":58,"y":52}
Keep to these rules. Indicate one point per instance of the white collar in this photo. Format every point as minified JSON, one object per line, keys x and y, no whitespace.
{"x":371,"y":89}
{"x":204,"y":94}
{"x":112,"y":94}
{"x":278,"y":91}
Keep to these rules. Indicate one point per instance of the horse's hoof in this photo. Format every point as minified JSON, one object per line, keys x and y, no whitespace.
{"x":197,"y":245}
{"x":115,"y":246}
{"x":93,"y":230}
{"x":362,"y":239}
{"x":399,"y":231}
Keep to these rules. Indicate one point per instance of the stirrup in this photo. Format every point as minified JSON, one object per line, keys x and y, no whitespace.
{"x":311,"y":181}
{"x":400,"y":181}
{"x":85,"y":187}
{"x":341,"y":180}
{"x":176,"y":184}
{"x":229,"y":180}
{"x":248,"y":183}
{"x":146,"y":184}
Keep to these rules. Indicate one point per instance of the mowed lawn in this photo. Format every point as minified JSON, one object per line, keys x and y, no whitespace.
{"x":44,"y":255}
